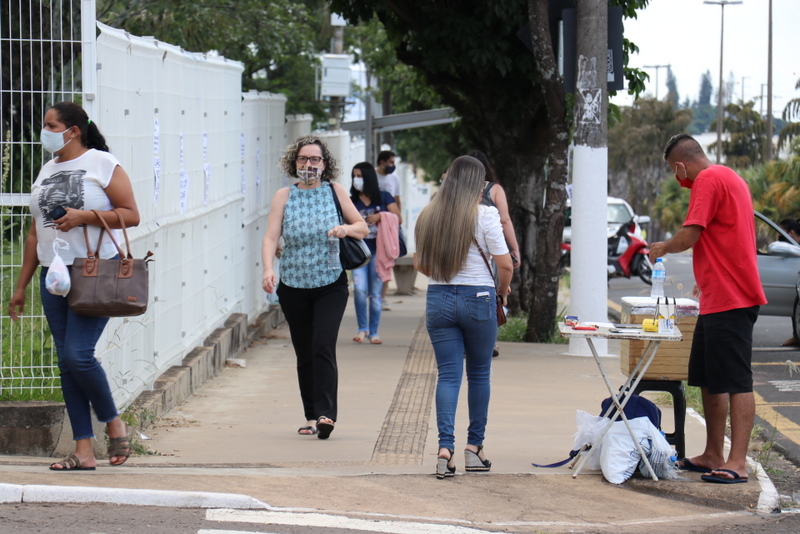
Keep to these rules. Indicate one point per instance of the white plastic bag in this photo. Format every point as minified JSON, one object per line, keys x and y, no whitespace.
{"x":57,"y":280}
{"x":619,"y":456}
{"x":589,"y":429}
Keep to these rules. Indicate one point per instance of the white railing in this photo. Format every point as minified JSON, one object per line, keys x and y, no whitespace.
{"x":41,"y":48}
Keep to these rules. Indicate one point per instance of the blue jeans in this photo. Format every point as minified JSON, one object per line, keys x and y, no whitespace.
{"x":368,"y":285}
{"x":83,"y":380}
{"x":462,"y":325}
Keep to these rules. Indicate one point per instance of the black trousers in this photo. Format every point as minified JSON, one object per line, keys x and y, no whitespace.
{"x":314,"y":316}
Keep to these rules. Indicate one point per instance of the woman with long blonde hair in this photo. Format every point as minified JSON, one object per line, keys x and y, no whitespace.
{"x":456,"y":237}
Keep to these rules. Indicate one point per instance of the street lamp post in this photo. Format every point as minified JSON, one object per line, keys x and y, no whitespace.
{"x":721,"y":4}
{"x":658,"y":68}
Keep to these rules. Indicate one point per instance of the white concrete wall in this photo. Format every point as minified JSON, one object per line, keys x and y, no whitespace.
{"x":205,"y":216}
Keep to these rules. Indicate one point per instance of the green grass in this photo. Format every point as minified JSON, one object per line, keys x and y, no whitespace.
{"x":514,"y":329}
{"x":693,"y":398}
{"x":28,"y":365}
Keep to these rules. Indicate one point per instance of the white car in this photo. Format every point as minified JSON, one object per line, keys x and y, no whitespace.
{"x":619,"y":212}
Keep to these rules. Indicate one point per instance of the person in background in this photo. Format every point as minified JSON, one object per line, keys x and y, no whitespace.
{"x":372,"y":204}
{"x":312,"y":295}
{"x":730,"y":293}
{"x":83,"y":176}
{"x":792,"y":227}
{"x":455,"y":237}
{"x":390,"y":183}
{"x":494,"y":195}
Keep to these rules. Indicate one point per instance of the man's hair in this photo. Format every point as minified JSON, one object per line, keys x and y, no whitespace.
{"x":385,"y":155}
{"x":791,"y":225}
{"x":687,"y":146}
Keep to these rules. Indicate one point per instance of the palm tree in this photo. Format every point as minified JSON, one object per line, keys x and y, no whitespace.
{"x":791,"y":114}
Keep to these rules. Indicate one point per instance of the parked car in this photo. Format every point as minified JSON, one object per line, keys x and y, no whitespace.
{"x":779,"y":269}
{"x":619,"y":212}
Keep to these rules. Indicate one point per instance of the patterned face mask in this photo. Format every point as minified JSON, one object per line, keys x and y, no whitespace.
{"x":309,"y":175}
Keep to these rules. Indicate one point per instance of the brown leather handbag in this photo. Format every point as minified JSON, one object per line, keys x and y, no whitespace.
{"x":109,"y":288}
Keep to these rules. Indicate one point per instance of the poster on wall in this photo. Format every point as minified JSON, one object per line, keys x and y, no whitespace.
{"x":156,"y":179}
{"x":207,"y":175}
{"x":184,"y":190}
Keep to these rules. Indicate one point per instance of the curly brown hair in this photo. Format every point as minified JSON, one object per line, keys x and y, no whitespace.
{"x":288,"y":159}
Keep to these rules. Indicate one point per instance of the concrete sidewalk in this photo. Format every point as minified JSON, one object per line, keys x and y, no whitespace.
{"x":238,"y":435}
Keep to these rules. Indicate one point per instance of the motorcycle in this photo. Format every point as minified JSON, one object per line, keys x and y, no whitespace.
{"x":628,"y":255}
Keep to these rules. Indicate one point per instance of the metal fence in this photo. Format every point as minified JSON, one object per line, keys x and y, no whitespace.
{"x":43,"y":47}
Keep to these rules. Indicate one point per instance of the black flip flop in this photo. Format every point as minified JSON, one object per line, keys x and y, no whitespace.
{"x":311,"y":431}
{"x":324,"y":429}
{"x":722,"y":480}
{"x":688,"y":465}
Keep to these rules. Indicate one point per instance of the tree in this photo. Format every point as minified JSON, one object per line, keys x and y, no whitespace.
{"x":706,"y":88}
{"x":635,"y":147}
{"x":277,"y":41}
{"x":672,"y":87}
{"x":512,"y":106}
{"x":791,"y":114}
{"x":746,"y":143}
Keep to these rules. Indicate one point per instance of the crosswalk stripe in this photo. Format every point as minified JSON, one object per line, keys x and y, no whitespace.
{"x":335,"y":521}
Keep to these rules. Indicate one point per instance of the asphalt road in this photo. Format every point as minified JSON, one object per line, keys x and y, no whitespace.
{"x":777,"y":386}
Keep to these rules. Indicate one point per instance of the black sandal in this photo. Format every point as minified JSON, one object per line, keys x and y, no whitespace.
{"x":324,"y":429}
{"x":443,"y":468}
{"x":473,"y":462}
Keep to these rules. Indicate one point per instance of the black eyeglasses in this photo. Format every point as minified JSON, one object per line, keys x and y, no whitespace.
{"x":314,"y":160}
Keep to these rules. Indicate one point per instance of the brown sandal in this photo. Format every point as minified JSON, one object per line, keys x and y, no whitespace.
{"x":119,"y":447}
{"x":70,"y":463}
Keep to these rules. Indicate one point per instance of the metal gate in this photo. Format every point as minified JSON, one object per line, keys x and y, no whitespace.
{"x":46,"y":56}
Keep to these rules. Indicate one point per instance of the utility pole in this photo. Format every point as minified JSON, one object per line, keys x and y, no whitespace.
{"x":590,"y":172}
{"x":335,"y":119}
{"x":721,"y":4}
{"x":657,"y":67}
{"x":768,"y":148}
{"x":743,"y":78}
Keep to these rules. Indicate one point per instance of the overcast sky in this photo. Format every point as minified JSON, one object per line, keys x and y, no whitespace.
{"x":686,"y":35}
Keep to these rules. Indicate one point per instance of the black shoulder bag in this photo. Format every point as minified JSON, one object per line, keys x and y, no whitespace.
{"x":353,"y":252}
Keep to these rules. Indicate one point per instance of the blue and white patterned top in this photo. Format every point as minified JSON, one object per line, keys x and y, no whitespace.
{"x":307,"y":217}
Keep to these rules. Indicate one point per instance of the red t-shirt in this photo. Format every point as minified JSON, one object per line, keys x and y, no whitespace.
{"x":725,"y":264}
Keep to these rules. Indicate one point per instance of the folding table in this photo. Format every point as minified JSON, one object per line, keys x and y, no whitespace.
{"x":654,"y":339}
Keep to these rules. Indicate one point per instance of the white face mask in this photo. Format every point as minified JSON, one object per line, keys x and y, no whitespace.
{"x":309,"y":175}
{"x":358,"y":183}
{"x":53,"y":141}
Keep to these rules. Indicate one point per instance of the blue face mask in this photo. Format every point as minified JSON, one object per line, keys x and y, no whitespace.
{"x":390,"y":169}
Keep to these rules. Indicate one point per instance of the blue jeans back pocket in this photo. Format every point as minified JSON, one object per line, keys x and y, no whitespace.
{"x":479,"y":309}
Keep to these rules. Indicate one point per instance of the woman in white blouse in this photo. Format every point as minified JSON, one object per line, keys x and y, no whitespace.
{"x":455,"y":238}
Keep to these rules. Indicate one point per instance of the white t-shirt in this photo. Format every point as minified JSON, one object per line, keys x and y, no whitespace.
{"x":80,"y":184}
{"x":489,"y":235}
{"x":389,"y":183}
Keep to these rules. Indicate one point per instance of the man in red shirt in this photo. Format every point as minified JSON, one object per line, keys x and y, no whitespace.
{"x":730,"y":293}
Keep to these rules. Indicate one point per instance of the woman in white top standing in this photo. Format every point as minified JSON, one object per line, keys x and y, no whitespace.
{"x":452,"y":234}
{"x":83,"y":176}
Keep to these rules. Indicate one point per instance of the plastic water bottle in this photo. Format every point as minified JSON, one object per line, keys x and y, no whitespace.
{"x":659,"y":277}
{"x":333,"y":253}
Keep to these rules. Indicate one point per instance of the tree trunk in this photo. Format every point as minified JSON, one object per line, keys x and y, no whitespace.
{"x":537,"y":206}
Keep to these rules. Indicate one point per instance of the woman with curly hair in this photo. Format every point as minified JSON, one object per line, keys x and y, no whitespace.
{"x":312,"y":295}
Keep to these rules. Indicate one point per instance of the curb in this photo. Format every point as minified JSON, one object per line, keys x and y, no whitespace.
{"x":12,"y":493}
